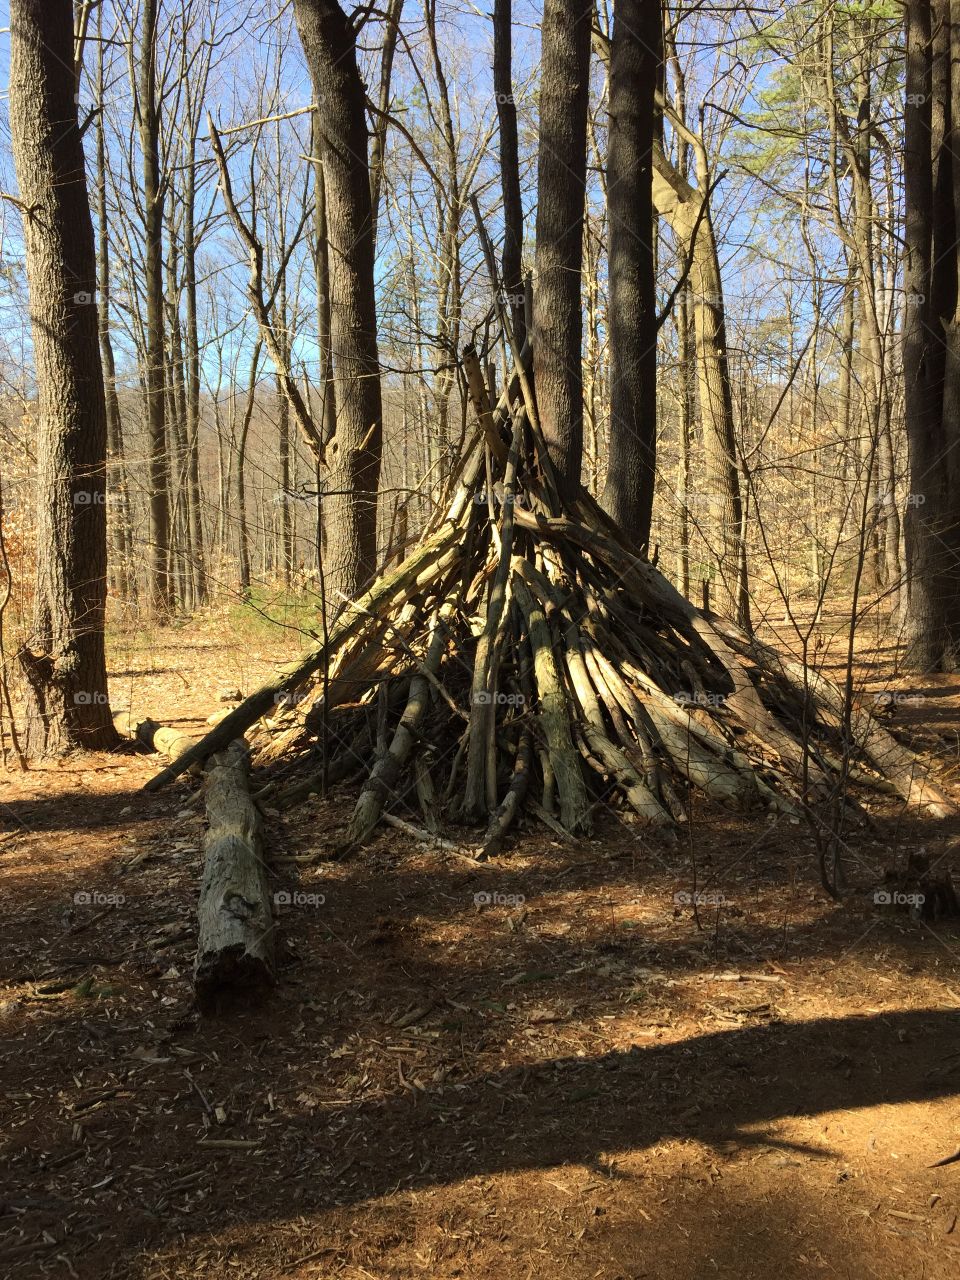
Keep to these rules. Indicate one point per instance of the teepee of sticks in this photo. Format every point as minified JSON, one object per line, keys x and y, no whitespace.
{"x":521,"y":660}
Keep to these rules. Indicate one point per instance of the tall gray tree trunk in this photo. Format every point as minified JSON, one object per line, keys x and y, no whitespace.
{"x":561,"y":178}
{"x":120,"y":560}
{"x":341,"y":134}
{"x":160,"y":583}
{"x":194,"y":495}
{"x":63,"y":660}
{"x":931,"y":337}
{"x":635,"y":57}
{"x":511,"y":268}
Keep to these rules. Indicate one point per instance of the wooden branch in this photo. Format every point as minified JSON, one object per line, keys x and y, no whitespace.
{"x":481,"y":404}
{"x":261,"y":308}
{"x":429,"y":560}
{"x":152,"y":735}
{"x":555,"y":714}
{"x":380,"y":784}
{"x":483,"y":709}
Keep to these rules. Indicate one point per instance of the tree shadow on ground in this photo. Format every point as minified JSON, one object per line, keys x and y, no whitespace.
{"x":731,"y":1086}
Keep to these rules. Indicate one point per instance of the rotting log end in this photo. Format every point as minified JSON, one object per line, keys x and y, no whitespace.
{"x":230,"y":976}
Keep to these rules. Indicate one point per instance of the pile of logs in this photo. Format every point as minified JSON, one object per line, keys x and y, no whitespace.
{"x":523,"y":661}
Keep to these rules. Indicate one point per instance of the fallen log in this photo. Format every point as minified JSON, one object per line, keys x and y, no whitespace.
{"x":235,"y":942}
{"x":170,"y":743}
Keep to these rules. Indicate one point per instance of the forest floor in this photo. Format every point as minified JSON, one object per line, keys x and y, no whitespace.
{"x":576,"y":1080}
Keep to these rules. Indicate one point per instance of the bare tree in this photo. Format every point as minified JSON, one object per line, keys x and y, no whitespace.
{"x":931,"y":335}
{"x":329,"y":43}
{"x":63,"y":660}
{"x":635,"y":57}
{"x":512,"y":257}
{"x":562,"y":164}
{"x":160,"y":584}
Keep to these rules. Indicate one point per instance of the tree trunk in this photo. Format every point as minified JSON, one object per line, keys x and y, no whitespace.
{"x":687,"y":209}
{"x":511,"y":268}
{"x":283,"y":504}
{"x":178,"y":447}
{"x":681,"y":204}
{"x":192,"y":378}
{"x":378,"y":146}
{"x":351,"y":507}
{"x":561,"y":177}
{"x":684,"y":326}
{"x":930,"y":340}
{"x":243,"y":539}
{"x":158,"y":484}
{"x":635,"y":56}
{"x":63,"y":660}
{"x":121,"y":559}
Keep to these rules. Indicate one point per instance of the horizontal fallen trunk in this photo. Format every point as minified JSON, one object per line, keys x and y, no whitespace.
{"x":170,"y":743}
{"x":235,"y":941}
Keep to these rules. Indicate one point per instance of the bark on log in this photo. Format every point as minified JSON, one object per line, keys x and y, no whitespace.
{"x":235,"y":944}
{"x":555,"y":715}
{"x":156,"y":737}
